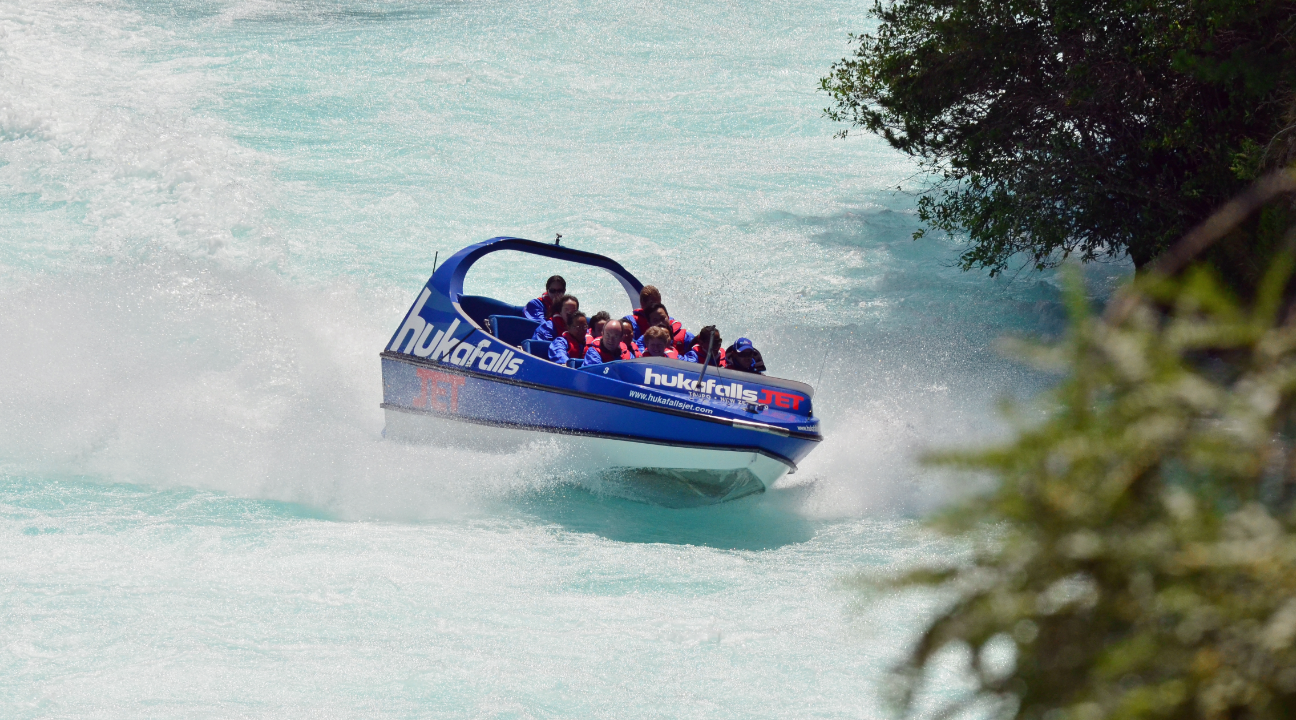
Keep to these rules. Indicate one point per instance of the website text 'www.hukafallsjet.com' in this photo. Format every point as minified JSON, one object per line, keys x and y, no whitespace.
{"x":669,"y":401}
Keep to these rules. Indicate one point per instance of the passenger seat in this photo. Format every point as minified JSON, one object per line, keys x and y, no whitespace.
{"x":539,"y":348}
{"x":511,"y":329}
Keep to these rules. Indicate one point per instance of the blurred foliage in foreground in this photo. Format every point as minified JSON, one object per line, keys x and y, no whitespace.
{"x":1139,"y":552}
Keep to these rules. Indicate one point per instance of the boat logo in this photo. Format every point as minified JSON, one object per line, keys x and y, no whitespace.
{"x":780,"y":399}
{"x":440,"y":390}
{"x":417,"y":338}
{"x":732,"y":390}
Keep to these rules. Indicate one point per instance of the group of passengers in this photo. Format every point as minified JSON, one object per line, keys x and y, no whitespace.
{"x":649,"y":331}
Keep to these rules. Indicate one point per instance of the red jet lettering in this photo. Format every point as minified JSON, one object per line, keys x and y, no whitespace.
{"x":780,"y":399}
{"x":437,"y":386}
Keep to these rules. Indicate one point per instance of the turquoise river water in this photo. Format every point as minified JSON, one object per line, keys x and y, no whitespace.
{"x":213,"y":213}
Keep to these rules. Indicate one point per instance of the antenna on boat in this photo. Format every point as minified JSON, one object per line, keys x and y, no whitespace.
{"x":558,"y":239}
{"x":706,"y":363}
{"x":434,"y":261}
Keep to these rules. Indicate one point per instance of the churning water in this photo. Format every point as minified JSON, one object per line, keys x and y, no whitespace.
{"x":213,"y":215}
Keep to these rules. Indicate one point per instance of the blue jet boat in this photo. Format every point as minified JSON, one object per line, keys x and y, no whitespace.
{"x":661,"y":426}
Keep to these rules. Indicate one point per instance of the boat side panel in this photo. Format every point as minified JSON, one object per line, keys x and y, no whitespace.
{"x":443,"y":392}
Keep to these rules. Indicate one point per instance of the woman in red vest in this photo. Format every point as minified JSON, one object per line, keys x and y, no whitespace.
{"x":545,"y":306}
{"x":557,"y":325}
{"x":627,"y":338}
{"x":657,"y":343}
{"x":597,"y":322}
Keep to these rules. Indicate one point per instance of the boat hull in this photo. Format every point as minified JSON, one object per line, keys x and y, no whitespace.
{"x":662,"y":474}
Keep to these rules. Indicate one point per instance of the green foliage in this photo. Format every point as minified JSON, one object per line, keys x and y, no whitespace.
{"x":1139,"y":552}
{"x":1074,"y":127}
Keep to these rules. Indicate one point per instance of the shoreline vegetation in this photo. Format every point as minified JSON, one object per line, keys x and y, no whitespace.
{"x":1137,"y":557}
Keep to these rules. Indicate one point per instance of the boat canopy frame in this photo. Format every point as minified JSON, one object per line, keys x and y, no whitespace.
{"x":449,"y":277}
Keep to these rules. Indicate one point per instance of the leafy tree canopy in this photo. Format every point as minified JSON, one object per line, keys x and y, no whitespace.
{"x":1137,"y":558}
{"x":1095,"y":128}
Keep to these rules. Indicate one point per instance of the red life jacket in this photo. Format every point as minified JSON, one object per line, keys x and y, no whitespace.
{"x":560,"y":325}
{"x":670,"y":353}
{"x":606,"y":355}
{"x":640,"y":321}
{"x":677,"y":331}
{"x":574,"y":351}
{"x":548,"y":305}
{"x":678,"y":335}
{"x":717,"y":356}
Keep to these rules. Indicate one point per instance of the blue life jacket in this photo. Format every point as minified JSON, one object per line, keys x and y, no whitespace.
{"x":538,"y":309}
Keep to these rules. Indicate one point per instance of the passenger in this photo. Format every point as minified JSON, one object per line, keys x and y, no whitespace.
{"x":571,"y":344}
{"x":681,"y":339}
{"x":557,"y":325}
{"x":627,"y":337}
{"x":608,"y":347}
{"x":597,"y":322}
{"x":707,"y":337}
{"x":648,"y":297}
{"x":742,"y":355}
{"x":546,"y":306}
{"x":657,"y":343}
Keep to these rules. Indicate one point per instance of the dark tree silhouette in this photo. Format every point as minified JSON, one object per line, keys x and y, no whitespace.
{"x":1074,"y":127}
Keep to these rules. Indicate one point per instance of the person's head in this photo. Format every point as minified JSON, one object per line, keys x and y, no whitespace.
{"x":577,"y":325}
{"x":555,"y":287}
{"x":567,"y":306}
{"x":649,"y":296}
{"x":627,"y":330}
{"x":745,"y":357}
{"x":655,"y":341}
{"x":659,"y":316}
{"x":611,"y":336}
{"x":708,"y":338}
{"x":598,"y":321}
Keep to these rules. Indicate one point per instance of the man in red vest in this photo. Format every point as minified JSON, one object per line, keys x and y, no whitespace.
{"x":571,"y":344}
{"x":743,"y":356}
{"x":707,"y":337}
{"x":608,"y":347}
{"x":681,"y":339}
{"x":546,"y":306}
{"x":648,"y":297}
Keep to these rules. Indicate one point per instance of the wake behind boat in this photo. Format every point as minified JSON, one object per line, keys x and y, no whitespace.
{"x":679,"y":433}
